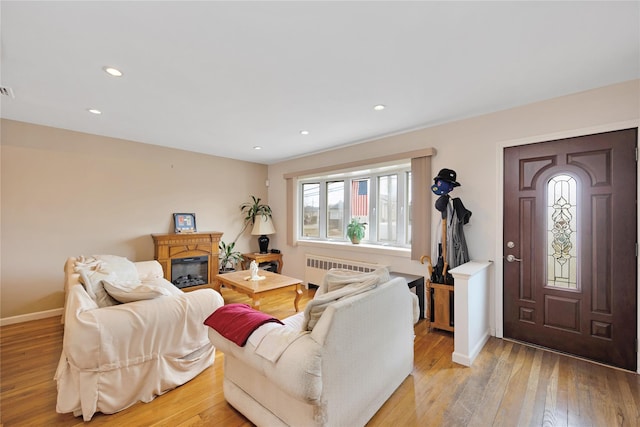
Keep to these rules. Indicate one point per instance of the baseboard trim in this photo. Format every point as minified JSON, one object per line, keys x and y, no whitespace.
{"x":31,"y":316}
{"x":467,"y":359}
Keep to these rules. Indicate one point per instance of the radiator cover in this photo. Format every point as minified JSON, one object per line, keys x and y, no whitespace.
{"x":316,"y":266}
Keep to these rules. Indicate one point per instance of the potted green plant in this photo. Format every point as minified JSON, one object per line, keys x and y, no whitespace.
{"x":251,"y":210}
{"x":228,"y":257}
{"x":355,"y":230}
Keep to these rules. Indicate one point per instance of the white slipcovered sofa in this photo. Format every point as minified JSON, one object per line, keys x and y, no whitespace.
{"x":115,"y":354}
{"x":358,"y":351}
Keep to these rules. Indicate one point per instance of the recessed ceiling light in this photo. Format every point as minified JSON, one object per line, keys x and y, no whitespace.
{"x":94,"y":111}
{"x":304,"y":132}
{"x":112,"y":71}
{"x":379,"y":107}
{"x":257,"y":147}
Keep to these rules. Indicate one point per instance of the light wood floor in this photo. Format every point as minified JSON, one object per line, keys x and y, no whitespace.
{"x":509,"y":385}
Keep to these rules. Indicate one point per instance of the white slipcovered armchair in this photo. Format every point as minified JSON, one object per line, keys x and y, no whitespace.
{"x":333,"y":365}
{"x":116,"y":354}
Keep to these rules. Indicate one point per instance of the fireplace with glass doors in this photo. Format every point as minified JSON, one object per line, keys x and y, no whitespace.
{"x":189,"y":260}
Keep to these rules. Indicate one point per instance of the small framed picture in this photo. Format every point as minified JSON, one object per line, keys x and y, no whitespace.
{"x":184,"y":222}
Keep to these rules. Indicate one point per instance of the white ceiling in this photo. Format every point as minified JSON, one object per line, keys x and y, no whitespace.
{"x":223,"y":77}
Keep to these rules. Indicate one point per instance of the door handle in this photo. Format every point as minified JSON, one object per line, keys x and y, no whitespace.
{"x":511,"y":258}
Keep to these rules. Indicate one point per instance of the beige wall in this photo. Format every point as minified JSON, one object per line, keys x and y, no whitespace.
{"x":473,"y":148}
{"x":67,"y":193}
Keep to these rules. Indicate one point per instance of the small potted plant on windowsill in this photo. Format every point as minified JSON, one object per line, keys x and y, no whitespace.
{"x":228,"y":257}
{"x":355,"y":230}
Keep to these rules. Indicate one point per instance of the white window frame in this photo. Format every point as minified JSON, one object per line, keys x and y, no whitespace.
{"x":402,"y":170}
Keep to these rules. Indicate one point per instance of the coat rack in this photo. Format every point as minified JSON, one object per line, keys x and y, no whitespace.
{"x":440,"y":283}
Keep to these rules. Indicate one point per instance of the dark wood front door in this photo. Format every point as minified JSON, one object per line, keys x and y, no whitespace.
{"x":570,"y":246}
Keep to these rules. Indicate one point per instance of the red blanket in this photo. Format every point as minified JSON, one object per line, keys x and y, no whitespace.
{"x":236,"y":322}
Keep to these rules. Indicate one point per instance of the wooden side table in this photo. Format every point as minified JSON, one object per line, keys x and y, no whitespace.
{"x":260,"y":258}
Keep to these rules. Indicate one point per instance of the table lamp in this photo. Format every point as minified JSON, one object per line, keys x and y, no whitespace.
{"x":263,"y":226}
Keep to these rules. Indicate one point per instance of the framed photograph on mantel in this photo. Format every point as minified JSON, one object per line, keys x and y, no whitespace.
{"x":184,"y":222}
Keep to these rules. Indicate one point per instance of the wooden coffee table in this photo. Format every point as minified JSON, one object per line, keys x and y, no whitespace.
{"x":257,"y":289}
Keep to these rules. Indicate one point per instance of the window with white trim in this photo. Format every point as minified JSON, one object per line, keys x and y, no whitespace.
{"x":380,"y":197}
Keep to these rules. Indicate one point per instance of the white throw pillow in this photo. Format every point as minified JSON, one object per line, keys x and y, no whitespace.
{"x":123,"y":293}
{"x":341,"y":284}
{"x":336,"y":278}
{"x":92,"y":281}
{"x":114,"y":268}
{"x":124,"y":269}
{"x":163,"y":283}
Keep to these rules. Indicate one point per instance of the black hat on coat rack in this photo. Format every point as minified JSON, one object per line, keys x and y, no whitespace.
{"x":443,"y":184}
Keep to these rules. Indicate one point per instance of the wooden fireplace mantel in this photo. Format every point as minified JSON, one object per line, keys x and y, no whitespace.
{"x":171,"y":246}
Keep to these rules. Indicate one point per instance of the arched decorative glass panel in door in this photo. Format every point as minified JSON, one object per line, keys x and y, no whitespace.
{"x":562,"y":228}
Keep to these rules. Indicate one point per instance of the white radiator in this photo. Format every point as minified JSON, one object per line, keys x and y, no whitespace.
{"x":317,"y":266}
